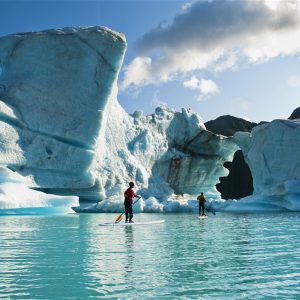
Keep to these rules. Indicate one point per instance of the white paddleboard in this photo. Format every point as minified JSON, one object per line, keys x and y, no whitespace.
{"x":132,"y":224}
{"x":202,"y":217}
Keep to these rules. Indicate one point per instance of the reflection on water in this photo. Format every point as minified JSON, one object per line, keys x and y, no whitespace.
{"x":128,"y":234}
{"x":223,"y":257}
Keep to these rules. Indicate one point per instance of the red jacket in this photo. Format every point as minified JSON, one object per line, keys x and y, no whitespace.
{"x":129,"y":194}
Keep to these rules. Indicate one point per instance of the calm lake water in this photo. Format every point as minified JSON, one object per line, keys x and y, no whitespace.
{"x":223,"y":257}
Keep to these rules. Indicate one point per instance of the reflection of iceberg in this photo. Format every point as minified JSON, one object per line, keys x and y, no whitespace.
{"x":17,"y":198}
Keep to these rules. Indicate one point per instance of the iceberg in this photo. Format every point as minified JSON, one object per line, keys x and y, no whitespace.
{"x":62,"y":128}
{"x":165,"y":153}
{"x":54,"y":89}
{"x":55,"y":86}
{"x":17,"y":198}
{"x":272,"y":152}
{"x":63,"y":132}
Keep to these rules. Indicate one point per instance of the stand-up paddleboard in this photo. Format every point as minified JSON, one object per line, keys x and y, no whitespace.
{"x":202,"y":217}
{"x":132,"y":224}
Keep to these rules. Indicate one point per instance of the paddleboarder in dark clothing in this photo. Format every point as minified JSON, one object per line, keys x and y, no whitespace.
{"x":202,"y":200}
{"x":129,"y":194}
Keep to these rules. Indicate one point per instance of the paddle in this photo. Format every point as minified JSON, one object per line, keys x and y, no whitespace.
{"x":119,"y":218}
{"x":212,"y":210}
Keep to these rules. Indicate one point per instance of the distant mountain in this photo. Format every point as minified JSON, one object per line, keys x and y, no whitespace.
{"x":295,"y":114}
{"x":228,"y":125}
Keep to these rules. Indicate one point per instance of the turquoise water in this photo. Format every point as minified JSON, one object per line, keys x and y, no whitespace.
{"x":223,"y":257}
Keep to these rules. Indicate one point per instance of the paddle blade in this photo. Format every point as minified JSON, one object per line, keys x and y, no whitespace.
{"x":119,"y":218}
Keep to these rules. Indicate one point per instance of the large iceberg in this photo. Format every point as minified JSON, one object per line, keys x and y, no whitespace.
{"x":63,"y":131}
{"x":170,"y":155}
{"x":272,"y":153}
{"x":54,"y":90}
{"x":165,"y":153}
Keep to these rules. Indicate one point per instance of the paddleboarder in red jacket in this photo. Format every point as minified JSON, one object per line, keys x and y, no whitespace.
{"x":129,"y":194}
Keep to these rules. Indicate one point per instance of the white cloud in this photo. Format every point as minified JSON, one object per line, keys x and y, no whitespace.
{"x":186,"y":6}
{"x":203,"y":86}
{"x":294,"y":81}
{"x":274,"y":4}
{"x":137,"y":73}
{"x":211,"y":35}
{"x":193,"y":83}
{"x":229,"y":62}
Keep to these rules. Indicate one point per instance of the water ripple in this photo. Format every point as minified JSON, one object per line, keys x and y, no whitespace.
{"x":224,"y":257}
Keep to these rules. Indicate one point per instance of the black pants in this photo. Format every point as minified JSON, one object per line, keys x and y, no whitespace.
{"x":128,"y":210}
{"x":201,"y":208}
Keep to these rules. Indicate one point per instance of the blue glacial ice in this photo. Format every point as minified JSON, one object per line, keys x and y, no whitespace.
{"x":55,"y":86}
{"x":272,"y":153}
{"x":17,"y":198}
{"x":172,"y":158}
{"x":54,"y":89}
{"x":165,"y":153}
{"x":63,"y":131}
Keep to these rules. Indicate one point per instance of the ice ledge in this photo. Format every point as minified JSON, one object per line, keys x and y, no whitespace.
{"x":17,"y":198}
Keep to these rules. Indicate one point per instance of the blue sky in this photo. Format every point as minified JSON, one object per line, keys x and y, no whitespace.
{"x":217,"y":57}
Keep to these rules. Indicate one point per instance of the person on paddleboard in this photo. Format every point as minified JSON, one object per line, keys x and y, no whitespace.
{"x":129,"y":194}
{"x":202,"y":200}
